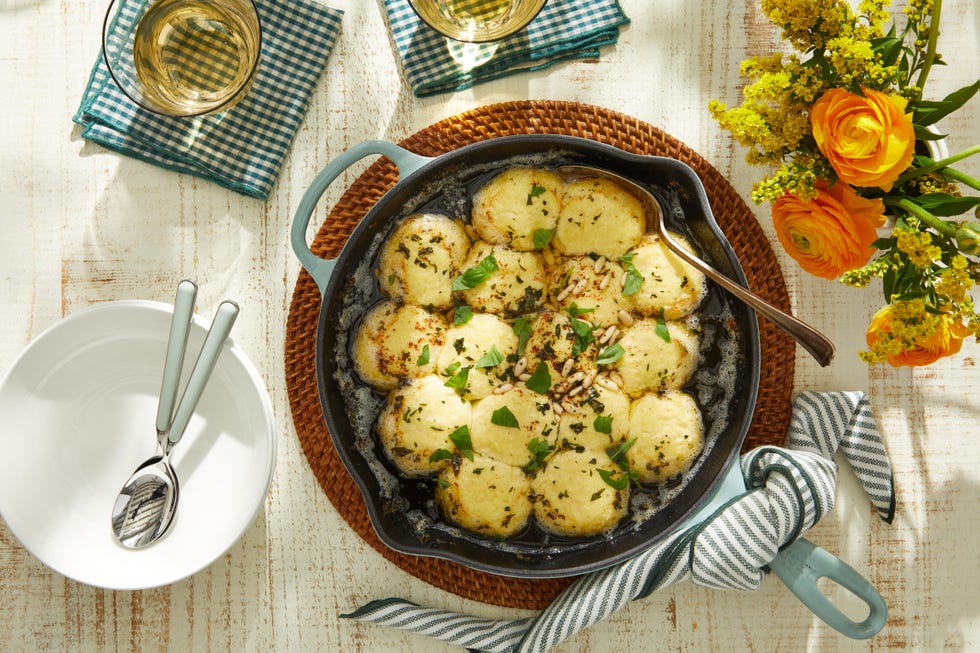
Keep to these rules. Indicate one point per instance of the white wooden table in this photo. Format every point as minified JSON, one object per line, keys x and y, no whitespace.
{"x":79,"y":225}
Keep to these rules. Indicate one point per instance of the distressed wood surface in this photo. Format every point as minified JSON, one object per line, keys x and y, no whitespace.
{"x":80,"y":225}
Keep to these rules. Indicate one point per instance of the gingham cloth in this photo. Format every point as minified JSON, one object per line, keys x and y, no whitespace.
{"x":242,"y":148}
{"x":565,"y":29}
{"x":790,"y":489}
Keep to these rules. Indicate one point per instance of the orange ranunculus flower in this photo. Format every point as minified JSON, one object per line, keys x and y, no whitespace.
{"x":831,"y":233}
{"x":914,"y":346}
{"x":868,"y":140}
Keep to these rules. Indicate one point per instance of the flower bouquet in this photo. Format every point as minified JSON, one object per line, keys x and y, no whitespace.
{"x":842,"y":121}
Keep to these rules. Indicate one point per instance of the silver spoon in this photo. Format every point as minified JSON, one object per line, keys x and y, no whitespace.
{"x":146,"y":505}
{"x":814,"y":342}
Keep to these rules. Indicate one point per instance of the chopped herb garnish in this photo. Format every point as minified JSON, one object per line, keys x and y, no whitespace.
{"x":522,"y":329}
{"x":424,"y":356}
{"x":536,"y":189}
{"x":603,"y":424}
{"x":598,"y":493}
{"x":458,"y":380}
{"x":440,"y":454}
{"x":540,"y":380}
{"x":503,"y":417}
{"x":474,"y":276}
{"x":492,"y":358}
{"x":661,"y":329}
{"x":443,"y":483}
{"x":540,"y":450}
{"x":618,"y":453}
{"x":391,"y":279}
{"x":633,"y":277}
{"x":451,"y":368}
{"x":459,"y":344}
{"x":462,"y":314}
{"x":613,"y":480}
{"x":610,"y":354}
{"x":583,"y":336}
{"x":575,"y":311}
{"x":461,"y":438}
{"x":542,"y":237}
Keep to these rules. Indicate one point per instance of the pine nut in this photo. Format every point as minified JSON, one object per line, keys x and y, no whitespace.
{"x":605,"y":280}
{"x":600,"y":263}
{"x":524,"y":377}
{"x":625,"y":317}
{"x":502,"y":388}
{"x":567,"y":367}
{"x":520,"y":366}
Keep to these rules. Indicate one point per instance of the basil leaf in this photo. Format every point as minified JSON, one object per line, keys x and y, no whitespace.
{"x":474,"y":276}
{"x":503,"y":417}
{"x":451,"y":368}
{"x":536,"y":189}
{"x":540,"y":450}
{"x":615,"y":483}
{"x":618,"y":453}
{"x":458,"y":380}
{"x":490,"y":359}
{"x":462,"y":314}
{"x":661,"y":329}
{"x":603,"y":424}
{"x":542,"y":237}
{"x":440,"y":454}
{"x":575,"y":311}
{"x":540,"y":380}
{"x":522,"y":329}
{"x":610,"y":354}
{"x":461,"y":438}
{"x":424,"y":356}
{"x":633,"y":277}
{"x":583,"y":336}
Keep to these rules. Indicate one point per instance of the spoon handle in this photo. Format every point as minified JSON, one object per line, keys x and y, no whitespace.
{"x":224,"y":319}
{"x":180,"y":327}
{"x":816,"y":343}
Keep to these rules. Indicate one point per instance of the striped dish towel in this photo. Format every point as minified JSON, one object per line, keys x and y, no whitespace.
{"x":244,"y":147}
{"x":790,"y":489}
{"x":565,"y":29}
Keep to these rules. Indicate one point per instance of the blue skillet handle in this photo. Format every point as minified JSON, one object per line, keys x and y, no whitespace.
{"x":320,"y":268}
{"x":800,"y":564}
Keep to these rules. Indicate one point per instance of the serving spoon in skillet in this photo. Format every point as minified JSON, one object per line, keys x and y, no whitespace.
{"x":814,"y":342}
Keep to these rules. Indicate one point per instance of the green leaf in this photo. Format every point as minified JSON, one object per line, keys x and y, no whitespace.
{"x":949,"y":104}
{"x":661,"y":329}
{"x":424,"y":356}
{"x":618,"y":453}
{"x":583,"y":336}
{"x":522,"y":329}
{"x":610,"y":354}
{"x":633,"y":277}
{"x":542,"y":237}
{"x":461,"y":438}
{"x":462,"y":314}
{"x":603,"y":424}
{"x":536,"y":189}
{"x":458,"y":380}
{"x":490,"y":359}
{"x":611,"y":479}
{"x":923,"y":134}
{"x":503,"y":417}
{"x":440,"y":454}
{"x":575,"y":311}
{"x":540,"y":450}
{"x":477,"y":274}
{"x":540,"y":380}
{"x":946,"y":205}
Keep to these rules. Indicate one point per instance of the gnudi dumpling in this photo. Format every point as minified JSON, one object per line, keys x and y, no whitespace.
{"x":494,"y":434}
{"x":396,"y":342}
{"x":554,"y":341}
{"x":485,"y":496}
{"x":651,"y":363}
{"x":512,"y":206}
{"x":598,"y":410}
{"x":598,"y":216}
{"x":420,"y":259}
{"x":571,"y":497}
{"x":669,"y":285}
{"x":668,"y":435}
{"x":515,"y":287}
{"x":589,"y":284}
{"x":416,"y":422}
{"x":475,"y":344}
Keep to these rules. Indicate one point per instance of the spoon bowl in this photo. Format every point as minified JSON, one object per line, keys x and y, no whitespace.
{"x":146,"y":504}
{"x":814,"y":342}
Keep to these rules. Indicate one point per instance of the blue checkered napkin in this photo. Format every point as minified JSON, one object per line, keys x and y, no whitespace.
{"x":789,"y":490}
{"x":244,"y":147}
{"x":565,"y":29}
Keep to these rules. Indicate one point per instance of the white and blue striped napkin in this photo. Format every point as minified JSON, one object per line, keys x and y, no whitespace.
{"x":242,"y":148}
{"x":790,"y":489}
{"x":565,"y":29}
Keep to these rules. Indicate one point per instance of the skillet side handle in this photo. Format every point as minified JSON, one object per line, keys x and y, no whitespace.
{"x":320,"y":268}
{"x":802,"y":563}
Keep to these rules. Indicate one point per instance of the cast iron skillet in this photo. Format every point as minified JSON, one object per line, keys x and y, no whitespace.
{"x":402,"y":512}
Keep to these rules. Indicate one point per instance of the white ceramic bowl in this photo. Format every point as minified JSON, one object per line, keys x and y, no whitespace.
{"x":77,"y":415}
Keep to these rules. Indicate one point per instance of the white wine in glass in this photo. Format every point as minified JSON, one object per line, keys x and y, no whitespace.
{"x":477,"y":21}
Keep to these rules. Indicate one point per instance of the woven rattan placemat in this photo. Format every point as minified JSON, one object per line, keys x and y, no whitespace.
{"x":771,"y":417}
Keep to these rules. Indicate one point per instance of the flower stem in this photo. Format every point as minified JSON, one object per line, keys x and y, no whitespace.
{"x":937,"y":6}
{"x":943,"y":227}
{"x":937,"y":165}
{"x":962,"y":178}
